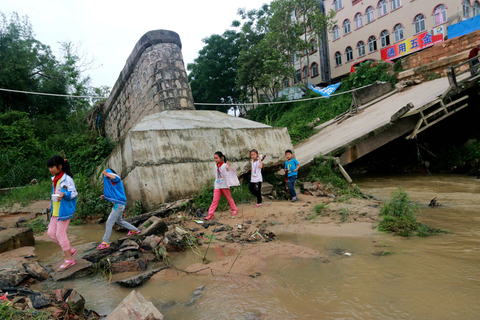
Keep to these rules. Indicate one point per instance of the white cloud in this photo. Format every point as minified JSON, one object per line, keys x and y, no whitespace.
{"x":108,"y":30}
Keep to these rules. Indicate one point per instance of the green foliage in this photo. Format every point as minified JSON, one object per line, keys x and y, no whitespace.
{"x":148,"y":224}
{"x":8,"y":312}
{"x":367,"y":73}
{"x":204,"y":198}
{"x":89,"y":202}
{"x":397,"y":67}
{"x":326,"y":172}
{"x":319,"y":208}
{"x":213,"y":73}
{"x":344,"y":213}
{"x":399,"y":217}
{"x":137,"y":208}
{"x":38,"y":225}
{"x":429,"y":76}
{"x":25,"y":195}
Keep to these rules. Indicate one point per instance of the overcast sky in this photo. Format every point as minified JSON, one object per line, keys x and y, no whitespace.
{"x":108,"y":30}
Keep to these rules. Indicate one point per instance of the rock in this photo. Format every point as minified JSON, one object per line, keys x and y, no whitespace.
{"x":267,"y":188}
{"x":98,"y":255}
{"x":36,"y":270}
{"x":99,"y":220}
{"x":152,"y":241}
{"x":80,"y":269}
{"x":76,"y":302}
{"x":155,"y":226}
{"x":13,"y":276}
{"x":129,"y":245}
{"x":310,"y":186}
{"x":135,"y":306}
{"x":127,"y":266}
{"x":138,"y":280}
{"x":37,"y":299}
{"x":14,"y":238}
{"x":56,"y":312}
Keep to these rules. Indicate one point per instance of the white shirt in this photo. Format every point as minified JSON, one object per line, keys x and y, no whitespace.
{"x":220,"y":179}
{"x":256,"y":172}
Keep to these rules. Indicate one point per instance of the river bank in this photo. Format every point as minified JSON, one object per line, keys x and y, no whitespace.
{"x":304,"y":272}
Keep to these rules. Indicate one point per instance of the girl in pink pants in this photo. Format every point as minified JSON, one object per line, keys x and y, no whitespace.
{"x":221,"y":186}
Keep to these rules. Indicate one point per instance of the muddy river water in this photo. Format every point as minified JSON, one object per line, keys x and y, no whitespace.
{"x":437,"y":277}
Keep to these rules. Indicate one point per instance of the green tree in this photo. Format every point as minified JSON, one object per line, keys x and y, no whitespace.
{"x":213,"y":73}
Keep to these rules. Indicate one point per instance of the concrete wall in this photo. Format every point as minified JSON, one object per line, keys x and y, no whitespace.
{"x":435,"y":59}
{"x":169,"y":156}
{"x":153,"y":79}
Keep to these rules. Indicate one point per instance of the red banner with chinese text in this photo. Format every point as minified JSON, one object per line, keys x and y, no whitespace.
{"x":419,"y":42}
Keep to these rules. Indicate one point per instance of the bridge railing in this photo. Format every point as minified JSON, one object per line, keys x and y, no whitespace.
{"x":468,"y":66}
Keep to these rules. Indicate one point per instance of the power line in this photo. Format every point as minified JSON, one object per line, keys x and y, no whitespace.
{"x":278,"y":102}
{"x":52,"y":94}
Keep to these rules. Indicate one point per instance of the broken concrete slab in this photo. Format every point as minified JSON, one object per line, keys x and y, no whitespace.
{"x":135,"y":306}
{"x":80,"y":269}
{"x":36,"y":270}
{"x":138,"y":279}
{"x":14,"y":238}
{"x":153,"y":225}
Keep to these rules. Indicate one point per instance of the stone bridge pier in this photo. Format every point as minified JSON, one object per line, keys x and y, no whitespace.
{"x":165,"y":147}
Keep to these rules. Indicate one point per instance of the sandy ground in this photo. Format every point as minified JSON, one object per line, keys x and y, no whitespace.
{"x":9,"y":217}
{"x":280,"y":217}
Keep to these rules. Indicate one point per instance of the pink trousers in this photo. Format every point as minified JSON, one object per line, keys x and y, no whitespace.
{"x":57,"y":230}
{"x":217,"y":194}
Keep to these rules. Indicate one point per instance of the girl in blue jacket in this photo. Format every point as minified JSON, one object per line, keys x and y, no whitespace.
{"x":63,"y":205}
{"x":113,"y":191}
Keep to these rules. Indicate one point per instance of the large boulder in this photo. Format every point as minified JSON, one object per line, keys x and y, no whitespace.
{"x":14,"y":238}
{"x":135,"y":306}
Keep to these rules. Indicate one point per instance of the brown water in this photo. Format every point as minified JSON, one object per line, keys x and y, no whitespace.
{"x":437,"y":277}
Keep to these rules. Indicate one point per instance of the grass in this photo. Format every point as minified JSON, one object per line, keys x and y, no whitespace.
{"x":10,"y":313}
{"x":324,"y":170}
{"x":399,"y":217}
{"x":27,"y":194}
{"x":38,"y":225}
{"x":148,"y":224}
{"x":344,"y":213}
{"x":318,"y":211}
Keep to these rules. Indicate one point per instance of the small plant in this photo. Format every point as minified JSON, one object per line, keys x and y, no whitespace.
{"x":148,"y":224}
{"x":137,"y":207}
{"x":430,"y":76}
{"x":76,"y":222}
{"x":319,"y":208}
{"x":399,"y":217}
{"x":38,"y":225}
{"x":344,"y":213}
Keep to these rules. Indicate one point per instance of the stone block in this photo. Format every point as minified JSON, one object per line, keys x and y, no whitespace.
{"x":80,"y":269}
{"x":267,"y":188}
{"x":36,"y":270}
{"x":14,"y":238}
{"x":154,"y":225}
{"x":135,"y":306}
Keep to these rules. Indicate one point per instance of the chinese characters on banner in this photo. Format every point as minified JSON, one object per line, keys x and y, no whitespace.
{"x":419,"y":42}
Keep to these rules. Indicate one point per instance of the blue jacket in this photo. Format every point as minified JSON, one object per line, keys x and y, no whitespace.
{"x":68,"y":204}
{"x":113,"y":189}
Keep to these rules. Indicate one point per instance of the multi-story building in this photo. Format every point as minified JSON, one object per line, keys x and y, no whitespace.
{"x":364,"y":27}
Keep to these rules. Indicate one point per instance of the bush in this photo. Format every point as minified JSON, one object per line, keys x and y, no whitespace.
{"x":38,"y":225}
{"x":24,"y":195}
{"x":399,"y":217}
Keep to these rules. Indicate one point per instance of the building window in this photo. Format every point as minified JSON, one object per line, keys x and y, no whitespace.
{"x":338,"y":58}
{"x":440,"y":14}
{"x":385,"y":38}
{"x":396,"y":4}
{"x":358,"y":20}
{"x":398,"y":32}
{"x":336,"y":33}
{"x":305,"y":72}
{"x":419,"y":23}
{"x":314,"y":69}
{"x":372,"y":44}
{"x":466,"y":8}
{"x":476,"y":8}
{"x":313,"y":45}
{"x":286,"y":83}
{"x":298,"y":76}
{"x":337,"y":4}
{"x":361,"y":48}
{"x":349,"y":53}
{"x":346,"y":26}
{"x":370,"y":13}
{"x":382,"y":8}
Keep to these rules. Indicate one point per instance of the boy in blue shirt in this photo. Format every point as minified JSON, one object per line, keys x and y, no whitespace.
{"x":291,"y":169}
{"x":113,"y":191}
